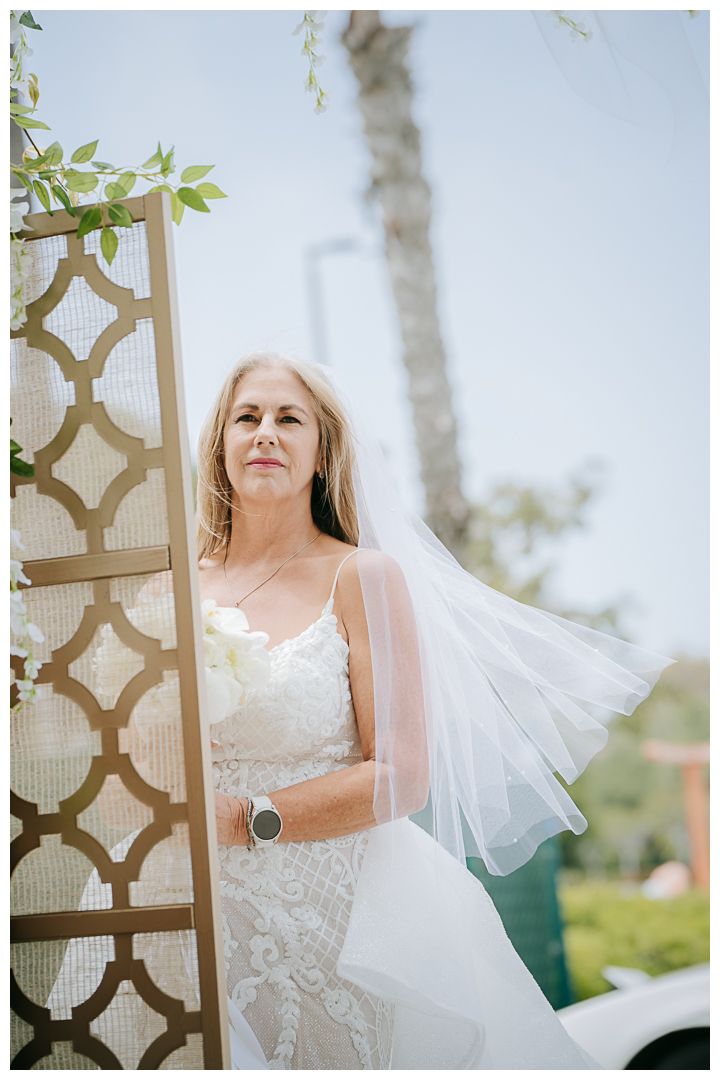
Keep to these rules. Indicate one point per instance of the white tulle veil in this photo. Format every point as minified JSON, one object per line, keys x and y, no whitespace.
{"x":494,"y":696}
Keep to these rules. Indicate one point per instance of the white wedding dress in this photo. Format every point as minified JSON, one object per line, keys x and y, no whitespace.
{"x":371,"y":951}
{"x":376,"y":950}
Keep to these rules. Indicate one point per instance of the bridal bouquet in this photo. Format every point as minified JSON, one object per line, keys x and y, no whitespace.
{"x":236,"y":661}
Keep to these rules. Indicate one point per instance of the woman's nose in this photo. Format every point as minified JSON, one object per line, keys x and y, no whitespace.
{"x":266,"y":432}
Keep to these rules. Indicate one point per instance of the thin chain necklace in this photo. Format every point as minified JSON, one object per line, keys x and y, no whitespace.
{"x":237,"y":603}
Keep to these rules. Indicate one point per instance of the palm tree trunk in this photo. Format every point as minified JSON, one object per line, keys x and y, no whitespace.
{"x":377,"y":56}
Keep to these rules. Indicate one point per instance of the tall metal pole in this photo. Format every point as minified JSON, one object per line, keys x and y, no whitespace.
{"x":316,"y":301}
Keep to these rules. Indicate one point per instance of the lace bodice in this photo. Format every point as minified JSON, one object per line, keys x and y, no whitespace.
{"x":304,"y":717}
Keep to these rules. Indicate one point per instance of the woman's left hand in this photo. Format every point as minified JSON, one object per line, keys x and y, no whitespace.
{"x":230,"y":817}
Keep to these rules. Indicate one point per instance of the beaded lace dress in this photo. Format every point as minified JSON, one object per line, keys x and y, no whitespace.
{"x":377,"y":950}
{"x":286,"y":908}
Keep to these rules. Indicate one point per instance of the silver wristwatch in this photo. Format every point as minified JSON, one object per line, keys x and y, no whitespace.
{"x":264,"y":823}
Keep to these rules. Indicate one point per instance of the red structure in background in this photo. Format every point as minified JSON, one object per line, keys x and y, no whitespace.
{"x":691,"y":757}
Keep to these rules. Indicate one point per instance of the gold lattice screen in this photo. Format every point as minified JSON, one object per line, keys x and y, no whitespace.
{"x":116,"y":949}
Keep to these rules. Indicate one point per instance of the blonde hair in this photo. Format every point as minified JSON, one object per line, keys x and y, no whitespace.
{"x":332,"y":502}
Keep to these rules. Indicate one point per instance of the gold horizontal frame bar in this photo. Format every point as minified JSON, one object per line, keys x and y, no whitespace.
{"x":43,"y":225}
{"x":109,"y":564}
{"x":53,"y":926}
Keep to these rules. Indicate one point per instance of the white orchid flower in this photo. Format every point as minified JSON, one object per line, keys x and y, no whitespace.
{"x":230,"y":621}
{"x":17,"y":211}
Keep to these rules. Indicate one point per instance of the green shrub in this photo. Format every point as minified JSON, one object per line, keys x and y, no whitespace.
{"x":607,"y":924}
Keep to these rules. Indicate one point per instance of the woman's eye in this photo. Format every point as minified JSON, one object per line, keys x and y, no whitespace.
{"x":244,"y":418}
{"x":291,"y":419}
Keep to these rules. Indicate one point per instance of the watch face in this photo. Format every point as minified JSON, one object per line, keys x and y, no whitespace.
{"x":266,"y":825}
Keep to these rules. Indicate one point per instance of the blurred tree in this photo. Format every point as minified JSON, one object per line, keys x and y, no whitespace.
{"x":377,"y":56}
{"x":509,"y":532}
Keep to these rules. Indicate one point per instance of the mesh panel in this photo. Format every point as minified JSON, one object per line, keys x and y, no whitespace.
{"x":101,"y":753}
{"x":187,"y":1057}
{"x":64,"y":1057}
{"x":51,"y":878}
{"x":131,"y":265}
{"x":48,"y":530}
{"x":89,"y":466}
{"x":80,"y":318}
{"x":51,"y":750}
{"x":136,"y":522}
{"x":40,"y":397}
{"x":43,"y":267}
{"x":128,"y":386}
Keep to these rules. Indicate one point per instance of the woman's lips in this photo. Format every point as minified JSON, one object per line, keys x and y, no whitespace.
{"x":265,"y":463}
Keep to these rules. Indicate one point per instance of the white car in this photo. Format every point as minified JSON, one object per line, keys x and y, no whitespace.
{"x":646,"y":1023}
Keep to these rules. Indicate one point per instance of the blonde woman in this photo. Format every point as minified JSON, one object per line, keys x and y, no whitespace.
{"x":353,"y":940}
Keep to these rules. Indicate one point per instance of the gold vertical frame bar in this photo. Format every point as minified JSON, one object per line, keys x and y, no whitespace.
{"x":196,"y":732}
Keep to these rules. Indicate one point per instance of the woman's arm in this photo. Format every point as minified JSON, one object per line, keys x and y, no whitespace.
{"x":342,"y":802}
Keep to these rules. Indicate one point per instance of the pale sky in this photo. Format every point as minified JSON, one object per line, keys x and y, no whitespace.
{"x":571,"y":252}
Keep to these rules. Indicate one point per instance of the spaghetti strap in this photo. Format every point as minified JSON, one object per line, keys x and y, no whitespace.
{"x":332,"y":594}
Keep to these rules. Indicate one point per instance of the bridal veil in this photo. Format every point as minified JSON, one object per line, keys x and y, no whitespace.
{"x":509,"y":695}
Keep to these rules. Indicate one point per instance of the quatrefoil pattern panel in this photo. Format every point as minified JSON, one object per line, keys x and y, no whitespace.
{"x":111,"y":858}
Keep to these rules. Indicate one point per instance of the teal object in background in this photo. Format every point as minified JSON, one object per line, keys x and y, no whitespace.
{"x":528,"y":906}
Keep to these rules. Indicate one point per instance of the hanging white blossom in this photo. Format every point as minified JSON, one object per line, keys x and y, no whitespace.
{"x":25,"y":631}
{"x":577,"y":29}
{"x":311,"y":25}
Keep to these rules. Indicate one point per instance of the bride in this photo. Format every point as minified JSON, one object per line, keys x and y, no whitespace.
{"x":398,"y":683}
{"x":353,"y":939}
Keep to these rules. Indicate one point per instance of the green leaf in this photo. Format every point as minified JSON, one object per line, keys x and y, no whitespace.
{"x":103,"y":166}
{"x":120,"y":215}
{"x":127,"y":181}
{"x":210,"y":191}
{"x":191,"y":198}
{"x":47,"y":174}
{"x":19,"y":110}
{"x":160,"y":187}
{"x":195,"y":172}
{"x":122,"y":187}
{"x":156,"y":159}
{"x":54,"y":154}
{"x":26,"y":19}
{"x":81,"y":181}
{"x":32,"y":163}
{"x":43,"y":194}
{"x":15,"y":448}
{"x":84,"y":153}
{"x":168,"y":163}
{"x":61,"y":195}
{"x":33,"y":91}
{"x":108,"y":244}
{"x":28,"y":122}
{"x":21,"y":468}
{"x":89,"y":221}
{"x":178,"y":208}
{"x":23,"y":179}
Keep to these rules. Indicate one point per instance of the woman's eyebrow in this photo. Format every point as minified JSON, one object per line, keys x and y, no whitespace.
{"x":244,"y":406}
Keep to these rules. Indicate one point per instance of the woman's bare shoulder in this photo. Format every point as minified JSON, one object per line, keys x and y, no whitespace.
{"x":372,"y":572}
